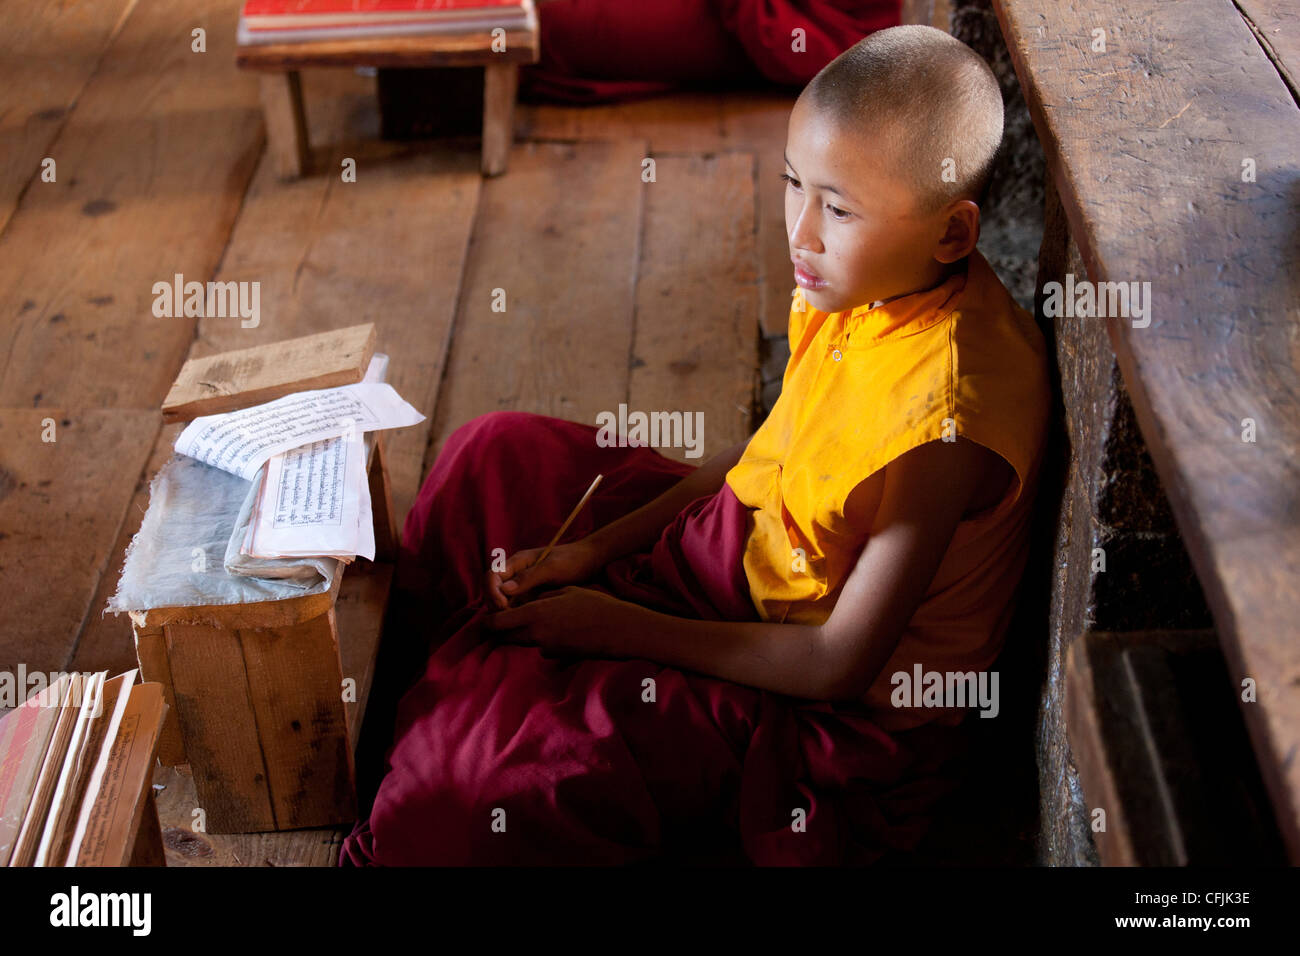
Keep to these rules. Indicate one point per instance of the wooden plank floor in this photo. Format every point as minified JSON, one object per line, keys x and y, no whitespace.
{"x":655,"y":294}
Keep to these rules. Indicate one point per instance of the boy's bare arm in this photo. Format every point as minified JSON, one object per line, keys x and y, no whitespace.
{"x":639,"y":530}
{"x":925,"y":494}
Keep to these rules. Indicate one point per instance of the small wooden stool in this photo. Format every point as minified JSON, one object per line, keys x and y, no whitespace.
{"x":265,"y":699}
{"x":286,"y":126}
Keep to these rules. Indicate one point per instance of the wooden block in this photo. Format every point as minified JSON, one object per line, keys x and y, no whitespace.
{"x":286,"y":123}
{"x":266,"y":721}
{"x":232,"y":380}
{"x":361,"y":607}
{"x":500,"y":82}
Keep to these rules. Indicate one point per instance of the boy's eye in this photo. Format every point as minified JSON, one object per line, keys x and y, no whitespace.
{"x":836,"y":211}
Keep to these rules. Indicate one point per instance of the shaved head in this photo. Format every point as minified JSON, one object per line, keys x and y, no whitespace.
{"x":926,"y":101}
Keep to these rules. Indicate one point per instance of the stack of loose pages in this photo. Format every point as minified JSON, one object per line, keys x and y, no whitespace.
{"x":306,"y":454}
{"x":76,"y":764}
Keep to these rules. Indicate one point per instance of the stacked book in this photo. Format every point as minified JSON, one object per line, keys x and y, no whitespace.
{"x":76,"y":770}
{"x":310,"y":21}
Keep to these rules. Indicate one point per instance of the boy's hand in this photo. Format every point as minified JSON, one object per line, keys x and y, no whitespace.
{"x":572,"y":620}
{"x":566,"y":564}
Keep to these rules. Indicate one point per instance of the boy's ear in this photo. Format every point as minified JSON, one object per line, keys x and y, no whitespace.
{"x":961,"y":232}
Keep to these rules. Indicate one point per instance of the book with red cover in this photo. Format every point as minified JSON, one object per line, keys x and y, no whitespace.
{"x":306,"y":21}
{"x":362,"y":7}
{"x":302,"y":14}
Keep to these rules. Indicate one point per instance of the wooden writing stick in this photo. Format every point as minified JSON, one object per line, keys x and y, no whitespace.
{"x":567,"y":521}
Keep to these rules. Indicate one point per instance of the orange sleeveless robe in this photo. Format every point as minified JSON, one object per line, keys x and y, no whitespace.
{"x":862,"y":387}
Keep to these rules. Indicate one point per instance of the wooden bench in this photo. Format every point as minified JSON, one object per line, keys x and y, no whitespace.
{"x":281,"y":64}
{"x":261,"y":724}
{"x":1170,"y":133}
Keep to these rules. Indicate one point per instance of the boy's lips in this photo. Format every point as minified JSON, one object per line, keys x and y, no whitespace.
{"x":806,"y":278}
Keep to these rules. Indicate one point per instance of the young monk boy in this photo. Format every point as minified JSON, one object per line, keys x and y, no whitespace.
{"x":734,"y":662}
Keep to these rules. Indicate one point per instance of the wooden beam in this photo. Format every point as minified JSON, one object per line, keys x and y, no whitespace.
{"x":1150,"y":144}
{"x":228,"y":381}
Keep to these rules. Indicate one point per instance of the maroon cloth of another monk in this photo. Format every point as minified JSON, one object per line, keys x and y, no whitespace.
{"x":502,"y":755}
{"x":596,"y":51}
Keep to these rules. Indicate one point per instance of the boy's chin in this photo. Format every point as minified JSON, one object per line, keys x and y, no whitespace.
{"x":826,"y":301}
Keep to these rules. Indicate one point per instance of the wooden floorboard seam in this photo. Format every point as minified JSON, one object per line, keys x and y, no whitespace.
{"x":68,"y":111}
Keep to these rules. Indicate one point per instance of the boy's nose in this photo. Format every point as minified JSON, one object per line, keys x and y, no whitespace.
{"x":804,"y":235}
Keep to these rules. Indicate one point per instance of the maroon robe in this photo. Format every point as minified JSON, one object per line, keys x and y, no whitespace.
{"x":585,"y":770}
{"x":598,"y":51}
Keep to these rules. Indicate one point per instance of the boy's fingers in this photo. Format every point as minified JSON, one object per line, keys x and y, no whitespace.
{"x":517,"y":562}
{"x":494,"y":589}
{"x":509,"y":618}
{"x":515,"y":574}
{"x":526,"y":579}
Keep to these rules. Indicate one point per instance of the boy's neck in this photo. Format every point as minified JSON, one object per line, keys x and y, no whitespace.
{"x":946,"y":272}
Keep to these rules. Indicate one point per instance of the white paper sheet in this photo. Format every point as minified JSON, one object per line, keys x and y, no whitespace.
{"x":315,"y":501}
{"x":240,"y":442}
{"x":339,"y":521}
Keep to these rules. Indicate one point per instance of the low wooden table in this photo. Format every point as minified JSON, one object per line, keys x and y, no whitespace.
{"x":286,"y":126}
{"x":266,"y":699}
